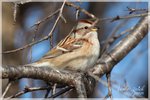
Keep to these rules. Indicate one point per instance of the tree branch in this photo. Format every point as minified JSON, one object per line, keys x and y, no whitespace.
{"x":28,"y":89}
{"x":122,"y":48}
{"x":82,"y":10}
{"x":74,"y":78}
{"x":44,"y":38}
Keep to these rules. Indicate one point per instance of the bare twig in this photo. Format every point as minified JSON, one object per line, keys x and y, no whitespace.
{"x":112,"y":39}
{"x":43,"y":20}
{"x":82,"y":10}
{"x":124,"y":17}
{"x":51,"y":41}
{"x":112,"y":34}
{"x":33,"y":39}
{"x":15,"y":11}
{"x":109,"y":85}
{"x":47,"y":93}
{"x":6,"y":89}
{"x":44,"y":38}
{"x":132,"y":10}
{"x":28,"y":89}
{"x":77,"y":14}
{"x":119,"y":35}
{"x":16,"y":5}
{"x":63,"y":18}
{"x":60,"y":15}
{"x":68,"y":88}
{"x":54,"y":88}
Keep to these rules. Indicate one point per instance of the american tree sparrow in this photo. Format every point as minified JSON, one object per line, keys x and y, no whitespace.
{"x":78,"y":51}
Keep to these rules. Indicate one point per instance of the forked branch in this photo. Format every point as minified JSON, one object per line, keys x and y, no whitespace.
{"x":73,"y":79}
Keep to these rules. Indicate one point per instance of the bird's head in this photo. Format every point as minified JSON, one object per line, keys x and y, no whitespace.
{"x":84,"y":27}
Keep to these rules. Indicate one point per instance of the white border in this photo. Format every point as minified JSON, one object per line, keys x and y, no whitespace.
{"x":0,"y":47}
{"x":149,"y":52}
{"x":77,"y":0}
{"x":74,"y":1}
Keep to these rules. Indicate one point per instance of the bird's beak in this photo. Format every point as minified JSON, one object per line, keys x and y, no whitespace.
{"x":94,"y":29}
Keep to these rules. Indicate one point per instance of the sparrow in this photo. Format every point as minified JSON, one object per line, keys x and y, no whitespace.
{"x":78,"y":51}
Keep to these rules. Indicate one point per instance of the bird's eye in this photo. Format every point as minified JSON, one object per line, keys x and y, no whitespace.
{"x":85,"y":27}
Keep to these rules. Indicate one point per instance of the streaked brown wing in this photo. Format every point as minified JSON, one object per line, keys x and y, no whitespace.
{"x":52,"y":53}
{"x":67,"y":45}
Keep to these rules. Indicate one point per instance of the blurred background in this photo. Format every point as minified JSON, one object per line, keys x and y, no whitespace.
{"x":129,"y":77}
